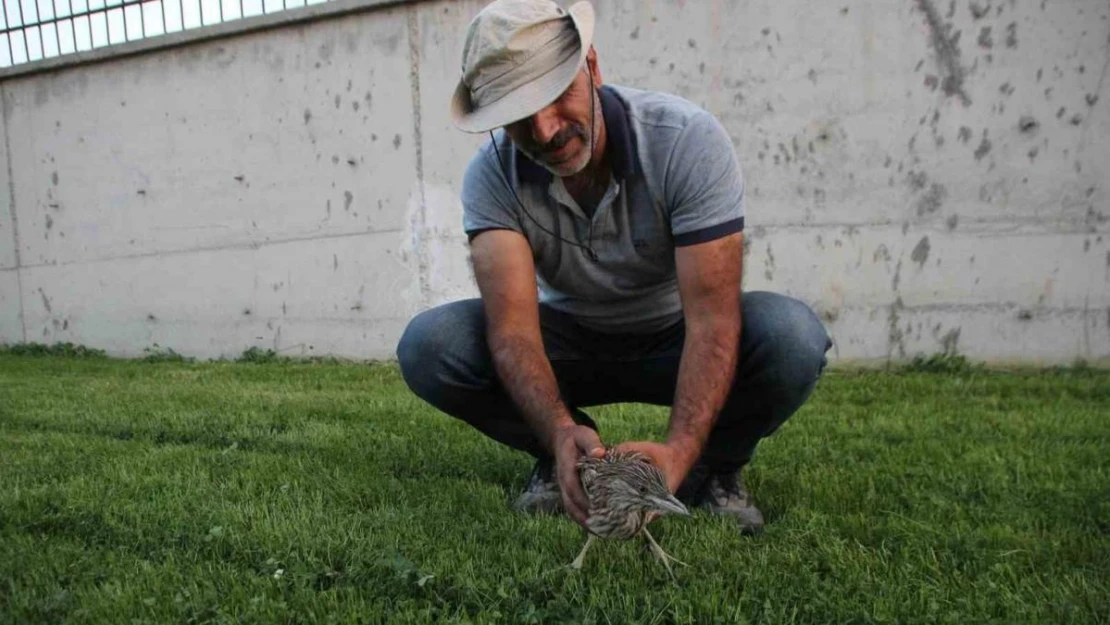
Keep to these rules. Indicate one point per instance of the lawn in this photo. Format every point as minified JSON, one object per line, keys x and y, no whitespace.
{"x":177,"y":492}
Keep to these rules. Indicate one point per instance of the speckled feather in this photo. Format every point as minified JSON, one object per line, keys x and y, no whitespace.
{"x":616,"y":486}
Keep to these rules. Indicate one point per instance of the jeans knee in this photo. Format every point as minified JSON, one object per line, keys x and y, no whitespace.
{"x":791,"y":335}
{"x":441,"y":346}
{"x":811,"y":340}
{"x":414,"y":350}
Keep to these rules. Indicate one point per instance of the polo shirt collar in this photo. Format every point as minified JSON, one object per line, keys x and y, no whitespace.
{"x":620,"y":144}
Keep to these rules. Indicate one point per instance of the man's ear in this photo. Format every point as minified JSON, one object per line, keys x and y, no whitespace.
{"x":591,"y":61}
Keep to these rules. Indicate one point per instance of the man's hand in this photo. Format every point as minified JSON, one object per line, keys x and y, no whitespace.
{"x":673,"y":461}
{"x":568,"y":445}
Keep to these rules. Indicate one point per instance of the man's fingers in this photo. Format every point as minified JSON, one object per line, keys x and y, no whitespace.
{"x":575,"y":512}
{"x":574,"y":498}
{"x":571,"y":486}
{"x":589,"y":442}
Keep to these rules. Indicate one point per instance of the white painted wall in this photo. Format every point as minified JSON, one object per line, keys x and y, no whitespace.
{"x":296,"y":188}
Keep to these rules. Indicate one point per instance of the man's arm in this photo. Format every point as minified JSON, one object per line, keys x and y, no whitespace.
{"x":506,"y":276}
{"x":709,"y":284}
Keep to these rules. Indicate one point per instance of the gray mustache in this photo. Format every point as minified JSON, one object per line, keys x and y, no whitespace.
{"x":562,"y":138}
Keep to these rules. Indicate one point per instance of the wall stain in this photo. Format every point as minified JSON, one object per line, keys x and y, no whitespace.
{"x":1011,"y":35}
{"x":951,"y":341}
{"x":932,"y":200}
{"x":984,"y":147}
{"x":947,"y":50}
{"x":917,"y":180}
{"x":1027,"y":124}
{"x":397,"y":142}
{"x":348,"y":197}
{"x":920,"y":252}
{"x":985,"y":40}
{"x":881,"y":253}
{"x":965,"y":134}
{"x":952,"y":222}
{"x":895,"y":335}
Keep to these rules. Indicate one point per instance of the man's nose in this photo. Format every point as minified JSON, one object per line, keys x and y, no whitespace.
{"x":545,"y":125}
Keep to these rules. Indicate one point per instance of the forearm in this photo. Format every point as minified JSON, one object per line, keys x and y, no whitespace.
{"x":705,"y":375}
{"x":526,"y":374}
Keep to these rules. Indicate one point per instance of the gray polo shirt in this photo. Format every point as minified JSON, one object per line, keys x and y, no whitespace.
{"x":676,"y":181}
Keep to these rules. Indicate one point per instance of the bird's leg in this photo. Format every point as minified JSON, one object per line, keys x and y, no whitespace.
{"x":663,"y":556}
{"x":577,"y":564}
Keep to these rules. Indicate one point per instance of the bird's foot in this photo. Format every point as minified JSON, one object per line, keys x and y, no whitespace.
{"x":577,"y":563}
{"x":663,"y":556}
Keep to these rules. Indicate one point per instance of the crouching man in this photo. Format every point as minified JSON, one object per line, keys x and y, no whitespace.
{"x":605,"y":227}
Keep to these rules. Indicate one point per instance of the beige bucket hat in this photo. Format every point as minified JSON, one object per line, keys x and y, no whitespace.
{"x":519,"y":56}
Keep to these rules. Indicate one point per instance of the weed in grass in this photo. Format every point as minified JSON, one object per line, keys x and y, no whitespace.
{"x":257,"y":356}
{"x":939,"y":363}
{"x":157,"y":353}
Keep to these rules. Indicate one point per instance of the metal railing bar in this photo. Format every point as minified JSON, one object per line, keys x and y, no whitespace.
{"x":73,"y":25}
{"x":42,"y":35}
{"x":84,"y":13}
{"x":26,"y":49}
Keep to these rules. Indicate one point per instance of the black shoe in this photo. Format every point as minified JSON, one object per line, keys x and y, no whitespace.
{"x":541,"y":494}
{"x":723,"y":494}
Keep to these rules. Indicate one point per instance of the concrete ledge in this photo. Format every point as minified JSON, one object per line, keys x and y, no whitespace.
{"x":330,"y":9}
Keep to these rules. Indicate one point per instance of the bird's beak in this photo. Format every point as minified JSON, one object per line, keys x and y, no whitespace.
{"x":669,"y":504}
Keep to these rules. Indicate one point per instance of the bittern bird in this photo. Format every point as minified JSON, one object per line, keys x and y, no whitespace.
{"x":625,"y":492}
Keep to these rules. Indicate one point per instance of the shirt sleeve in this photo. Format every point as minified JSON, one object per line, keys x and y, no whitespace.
{"x":704,"y":184}
{"x":487,"y":200}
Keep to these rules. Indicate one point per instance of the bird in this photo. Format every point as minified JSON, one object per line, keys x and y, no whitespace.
{"x":625,"y":492}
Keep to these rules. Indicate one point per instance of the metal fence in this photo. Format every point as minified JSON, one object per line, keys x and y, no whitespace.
{"x":32,"y":30}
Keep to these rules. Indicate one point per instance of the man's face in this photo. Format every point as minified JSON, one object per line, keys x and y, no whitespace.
{"x":558,"y":136}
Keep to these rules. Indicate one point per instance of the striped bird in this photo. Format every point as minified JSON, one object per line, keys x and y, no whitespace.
{"x":625,"y":492}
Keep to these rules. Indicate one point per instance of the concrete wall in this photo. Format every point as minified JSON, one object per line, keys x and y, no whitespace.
{"x":930,"y":176}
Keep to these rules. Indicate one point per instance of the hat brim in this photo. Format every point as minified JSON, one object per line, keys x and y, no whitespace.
{"x":532,"y":97}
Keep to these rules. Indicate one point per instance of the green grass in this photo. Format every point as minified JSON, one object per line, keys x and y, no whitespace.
{"x":180,"y":492}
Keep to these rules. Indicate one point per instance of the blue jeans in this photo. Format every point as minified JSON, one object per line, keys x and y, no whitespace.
{"x":446,"y":361}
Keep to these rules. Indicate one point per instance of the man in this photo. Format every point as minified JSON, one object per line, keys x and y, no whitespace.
{"x":625,"y":208}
